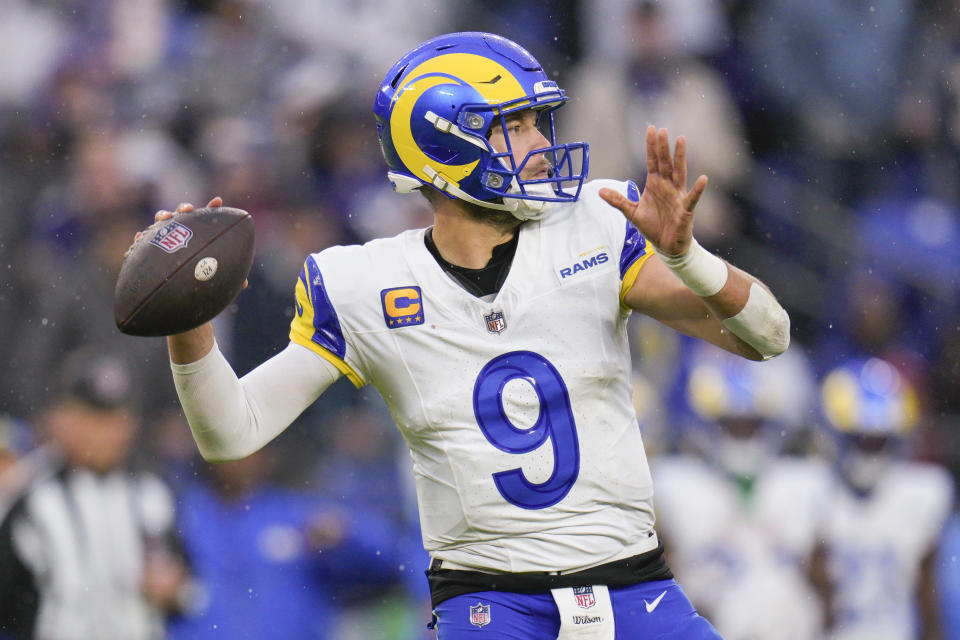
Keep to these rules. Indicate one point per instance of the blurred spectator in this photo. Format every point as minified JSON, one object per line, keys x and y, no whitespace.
{"x":902,"y":283}
{"x":872,"y":313}
{"x":948,"y":583}
{"x":87,"y":550}
{"x":915,"y":239}
{"x":658,"y":81}
{"x":738,"y":519}
{"x":368,"y":467}
{"x":359,"y":37}
{"x":876,"y":563}
{"x":360,"y":467}
{"x":928,"y":109}
{"x":948,"y":565}
{"x":68,"y":271}
{"x":547,"y":26}
{"x":16,"y":441}
{"x":272,"y":562}
{"x":699,"y":27}
{"x":31,"y":36}
{"x":946,"y":381}
{"x":833,"y":72}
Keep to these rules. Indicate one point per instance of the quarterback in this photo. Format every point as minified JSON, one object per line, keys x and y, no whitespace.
{"x":497,"y":338}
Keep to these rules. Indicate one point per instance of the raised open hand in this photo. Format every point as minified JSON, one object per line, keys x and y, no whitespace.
{"x":664,"y":213}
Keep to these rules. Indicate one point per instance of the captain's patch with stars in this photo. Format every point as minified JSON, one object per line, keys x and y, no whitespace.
{"x":402,"y":307}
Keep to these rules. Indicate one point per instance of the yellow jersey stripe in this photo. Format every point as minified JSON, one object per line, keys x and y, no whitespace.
{"x":630,"y":276}
{"x":336,"y":361}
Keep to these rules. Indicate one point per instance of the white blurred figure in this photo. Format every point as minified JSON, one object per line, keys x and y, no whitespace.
{"x":31,"y":39}
{"x":886,"y":513}
{"x":738,"y":519}
{"x":656,"y":77}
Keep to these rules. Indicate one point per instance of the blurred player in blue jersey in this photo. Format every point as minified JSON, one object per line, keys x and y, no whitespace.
{"x":497,"y":338}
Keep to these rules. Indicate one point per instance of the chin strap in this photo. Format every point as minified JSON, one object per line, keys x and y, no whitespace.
{"x":521,"y":208}
{"x":529,"y":209}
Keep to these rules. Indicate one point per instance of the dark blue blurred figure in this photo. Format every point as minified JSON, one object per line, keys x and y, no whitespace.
{"x":367,"y":467}
{"x":360,"y":467}
{"x":833,"y":71}
{"x":949,"y":578}
{"x":273,"y":562}
{"x":902,"y":281}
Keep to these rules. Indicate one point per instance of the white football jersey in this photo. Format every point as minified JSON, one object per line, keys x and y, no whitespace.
{"x":742,"y":558}
{"x":876,"y":545}
{"x":526,"y":450}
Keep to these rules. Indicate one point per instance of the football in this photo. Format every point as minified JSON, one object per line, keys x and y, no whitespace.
{"x":183,"y":271}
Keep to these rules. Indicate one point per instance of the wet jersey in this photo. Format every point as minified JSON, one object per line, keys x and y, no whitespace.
{"x":754,"y":545}
{"x":517,"y":411}
{"x":876,"y":545}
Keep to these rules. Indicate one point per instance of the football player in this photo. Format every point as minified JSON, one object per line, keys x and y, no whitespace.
{"x":739,"y":518}
{"x":497,"y":338}
{"x":883,"y":523}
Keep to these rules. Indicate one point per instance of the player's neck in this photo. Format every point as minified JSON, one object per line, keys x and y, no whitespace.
{"x":468,"y":241}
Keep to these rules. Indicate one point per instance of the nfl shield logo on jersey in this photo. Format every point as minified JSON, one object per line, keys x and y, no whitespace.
{"x":584,"y":596}
{"x":495,"y":322}
{"x":480,"y":615}
{"x":172,"y":237}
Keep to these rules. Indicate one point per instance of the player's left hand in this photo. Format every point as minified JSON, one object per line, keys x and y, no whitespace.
{"x":664,"y":214}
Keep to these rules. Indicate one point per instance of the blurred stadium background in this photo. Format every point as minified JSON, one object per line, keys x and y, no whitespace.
{"x":830,"y":130}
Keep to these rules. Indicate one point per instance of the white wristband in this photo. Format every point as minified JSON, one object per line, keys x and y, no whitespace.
{"x":702,"y":272}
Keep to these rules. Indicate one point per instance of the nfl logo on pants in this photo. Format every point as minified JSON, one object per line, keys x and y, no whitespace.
{"x":480,"y":614}
{"x":584,"y":596}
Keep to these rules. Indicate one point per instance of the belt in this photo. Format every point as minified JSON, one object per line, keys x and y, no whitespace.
{"x":446,"y":583}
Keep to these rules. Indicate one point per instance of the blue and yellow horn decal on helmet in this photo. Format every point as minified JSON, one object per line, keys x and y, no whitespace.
{"x":436,"y":106}
{"x":869,"y":397}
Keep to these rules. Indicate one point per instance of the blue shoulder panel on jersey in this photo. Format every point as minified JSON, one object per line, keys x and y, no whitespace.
{"x":634,"y":246}
{"x":327,"y":332}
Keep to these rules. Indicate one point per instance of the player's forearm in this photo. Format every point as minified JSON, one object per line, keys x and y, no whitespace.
{"x":231,"y":418}
{"x":745,"y":306}
{"x":192,"y":345}
{"x":213,"y":402}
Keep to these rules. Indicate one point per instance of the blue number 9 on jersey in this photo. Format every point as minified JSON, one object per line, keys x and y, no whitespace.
{"x":555,"y":422}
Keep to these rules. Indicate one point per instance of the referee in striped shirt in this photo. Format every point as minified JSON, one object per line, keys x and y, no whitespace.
{"x":87,"y":550}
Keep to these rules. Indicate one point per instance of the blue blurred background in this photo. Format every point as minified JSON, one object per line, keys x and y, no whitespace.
{"x":830,"y":130}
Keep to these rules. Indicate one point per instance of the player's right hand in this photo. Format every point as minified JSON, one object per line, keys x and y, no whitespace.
{"x":183,"y":207}
{"x":194,"y":344}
